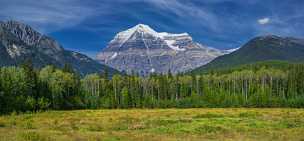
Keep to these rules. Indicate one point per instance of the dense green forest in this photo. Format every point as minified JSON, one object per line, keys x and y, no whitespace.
{"x":273,"y":64}
{"x":27,"y":89}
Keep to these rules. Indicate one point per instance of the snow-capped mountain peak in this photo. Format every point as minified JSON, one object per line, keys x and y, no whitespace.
{"x":123,"y":36}
{"x":142,"y":28}
{"x":144,"y":31}
{"x":143,"y":50}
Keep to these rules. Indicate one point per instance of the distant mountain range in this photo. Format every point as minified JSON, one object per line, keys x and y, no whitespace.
{"x":264,"y":48}
{"x":142,"y":50}
{"x":19,"y":42}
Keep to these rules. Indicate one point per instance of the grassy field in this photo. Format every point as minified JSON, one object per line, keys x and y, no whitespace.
{"x":158,"y":125}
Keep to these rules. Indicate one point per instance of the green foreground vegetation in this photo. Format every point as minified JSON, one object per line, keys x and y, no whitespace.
{"x":235,"y":124}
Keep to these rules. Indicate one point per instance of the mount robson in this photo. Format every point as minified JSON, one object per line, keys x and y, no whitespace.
{"x":142,"y":50}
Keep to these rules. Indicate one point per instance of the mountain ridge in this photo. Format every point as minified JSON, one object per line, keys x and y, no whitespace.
{"x":261,"y":48}
{"x":19,"y":41}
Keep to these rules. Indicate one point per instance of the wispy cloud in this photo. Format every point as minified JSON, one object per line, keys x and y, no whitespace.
{"x":47,"y":15}
{"x":264,"y":21}
{"x":188,"y":11}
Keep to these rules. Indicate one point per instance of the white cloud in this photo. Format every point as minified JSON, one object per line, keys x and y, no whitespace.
{"x":187,"y":10}
{"x":46,"y":15}
{"x":264,"y":21}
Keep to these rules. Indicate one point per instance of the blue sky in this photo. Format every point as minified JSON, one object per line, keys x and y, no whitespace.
{"x":87,"y":26}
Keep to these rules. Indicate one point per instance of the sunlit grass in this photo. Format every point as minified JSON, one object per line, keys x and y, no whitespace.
{"x":159,"y":124}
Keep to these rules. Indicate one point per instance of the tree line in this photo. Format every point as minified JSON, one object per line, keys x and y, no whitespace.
{"x":24,"y":89}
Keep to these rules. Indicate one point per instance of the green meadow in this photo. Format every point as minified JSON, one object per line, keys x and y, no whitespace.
{"x":155,"y":125}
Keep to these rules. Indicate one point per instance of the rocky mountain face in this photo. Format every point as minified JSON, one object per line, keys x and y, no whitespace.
{"x":259,"y":49}
{"x":142,"y":50}
{"x":19,"y":42}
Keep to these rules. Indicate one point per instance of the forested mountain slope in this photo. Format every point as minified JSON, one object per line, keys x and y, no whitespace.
{"x":260,"y":49}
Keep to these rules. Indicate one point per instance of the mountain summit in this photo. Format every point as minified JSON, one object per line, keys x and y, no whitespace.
{"x":142,"y":50}
{"x":145,"y":32}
